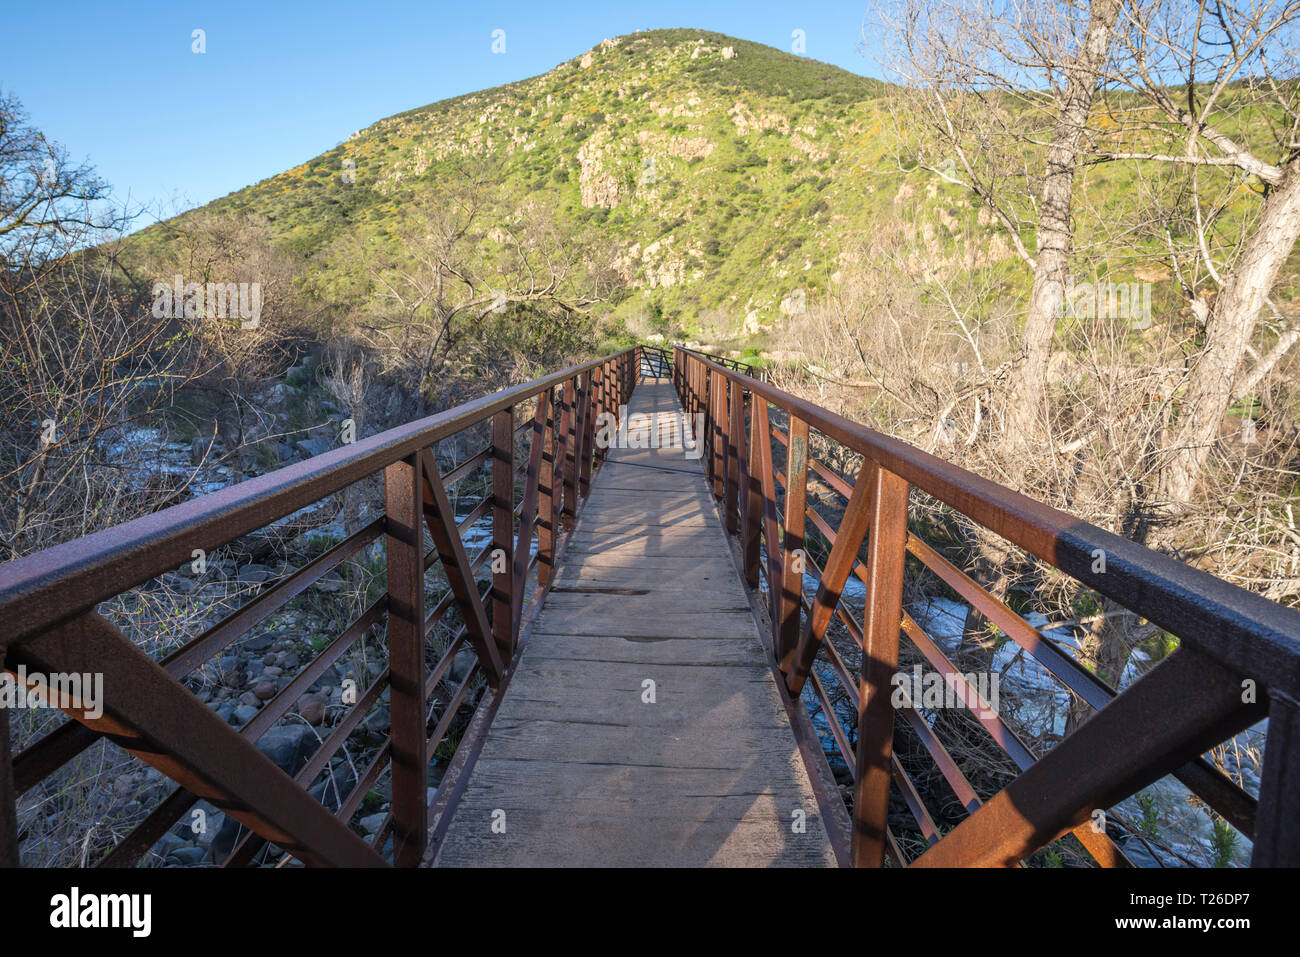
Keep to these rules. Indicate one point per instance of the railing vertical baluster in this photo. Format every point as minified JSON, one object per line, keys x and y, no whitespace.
{"x":752,"y":517}
{"x":404,"y":548}
{"x":717,"y":432}
{"x":530,"y":513}
{"x":547,"y":493}
{"x":8,"y":795}
{"x":761,"y":434}
{"x":503,"y":520}
{"x":792,"y":540}
{"x":882,"y":621}
{"x":570,"y":457}
{"x":601,"y":407}
{"x":620,"y":384}
{"x":711,"y":420}
{"x":1277,"y":821}
{"x":735,"y":454}
{"x":586,"y":437}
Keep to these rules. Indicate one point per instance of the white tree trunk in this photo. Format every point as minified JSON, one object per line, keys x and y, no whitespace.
{"x":1055,"y":227}
{"x":1228,"y":329}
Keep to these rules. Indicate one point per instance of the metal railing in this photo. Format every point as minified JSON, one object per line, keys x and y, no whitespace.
{"x":657,"y":362}
{"x":1160,"y":725}
{"x":1237,"y":662}
{"x":50,"y":624}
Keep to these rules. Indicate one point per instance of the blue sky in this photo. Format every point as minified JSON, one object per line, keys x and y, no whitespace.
{"x":280,"y":82}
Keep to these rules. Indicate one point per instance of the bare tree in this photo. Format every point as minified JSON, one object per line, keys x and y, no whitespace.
{"x":236,"y":291}
{"x":81,"y":357}
{"x":1216,"y":96}
{"x":1003,"y":85}
{"x":462,"y":266}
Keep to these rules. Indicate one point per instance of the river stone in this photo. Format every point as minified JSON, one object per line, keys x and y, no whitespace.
{"x":253,"y":574}
{"x":312,"y":708}
{"x":186,"y":856}
{"x":461,"y":665}
{"x":289,"y":747}
{"x":337,"y":786}
{"x":314,"y":446}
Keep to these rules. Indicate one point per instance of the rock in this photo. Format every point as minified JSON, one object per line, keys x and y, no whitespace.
{"x":168,"y":843}
{"x":312,"y":708}
{"x":314,"y":446}
{"x":272,"y":671}
{"x":245,"y":713}
{"x":461,"y":665}
{"x":250,"y":699}
{"x":330,"y":584}
{"x":260,"y":643}
{"x":186,"y":856}
{"x":337,"y":786}
{"x":265,"y":690}
{"x":253,"y":574}
{"x":291,"y":663}
{"x":374,"y":822}
{"x":377,"y":724}
{"x":226,"y":712}
{"x":227,"y":836}
{"x":232,"y":676}
{"x":289,"y":747}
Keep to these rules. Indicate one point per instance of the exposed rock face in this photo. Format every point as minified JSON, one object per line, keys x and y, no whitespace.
{"x":598,"y":184}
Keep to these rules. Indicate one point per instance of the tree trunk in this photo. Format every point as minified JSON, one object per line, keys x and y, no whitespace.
{"x":1055,"y":229}
{"x":1228,"y":330}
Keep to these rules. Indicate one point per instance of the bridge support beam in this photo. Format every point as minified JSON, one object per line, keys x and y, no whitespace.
{"x":1277,"y":827}
{"x":404,"y":548}
{"x":503,"y":520}
{"x":883,"y":614}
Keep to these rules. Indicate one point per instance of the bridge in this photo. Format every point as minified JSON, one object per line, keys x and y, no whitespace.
{"x":653,"y":677}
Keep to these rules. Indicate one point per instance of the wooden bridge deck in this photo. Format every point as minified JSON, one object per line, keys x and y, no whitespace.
{"x":579,"y":767}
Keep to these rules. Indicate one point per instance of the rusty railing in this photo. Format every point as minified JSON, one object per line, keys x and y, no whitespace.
{"x":50,"y":624}
{"x":1238,"y":658}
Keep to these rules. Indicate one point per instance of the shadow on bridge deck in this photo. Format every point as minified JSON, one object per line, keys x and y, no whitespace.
{"x":643,"y":725}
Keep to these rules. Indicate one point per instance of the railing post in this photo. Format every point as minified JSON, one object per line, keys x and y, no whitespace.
{"x":752,"y":517}
{"x":404,"y":550}
{"x":761,"y":436}
{"x":717,"y":431}
{"x":735,"y":454}
{"x":586,"y":436}
{"x":883,"y":618}
{"x":530,"y":514}
{"x":570,"y":457}
{"x":601,"y":408}
{"x":503,"y":520}
{"x":792,"y":543}
{"x":1277,"y":821}
{"x":8,"y":794}
{"x":547,"y":498}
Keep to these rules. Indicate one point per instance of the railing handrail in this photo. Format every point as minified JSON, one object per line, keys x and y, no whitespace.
{"x":1240,"y":628}
{"x":47,"y":587}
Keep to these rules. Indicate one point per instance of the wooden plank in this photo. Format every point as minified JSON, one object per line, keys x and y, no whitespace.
{"x":588,"y":768}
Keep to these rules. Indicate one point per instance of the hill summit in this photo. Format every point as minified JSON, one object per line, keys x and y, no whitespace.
{"x":722,"y":177}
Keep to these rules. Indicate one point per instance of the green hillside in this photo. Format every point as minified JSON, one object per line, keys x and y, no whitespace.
{"x":718,"y":176}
